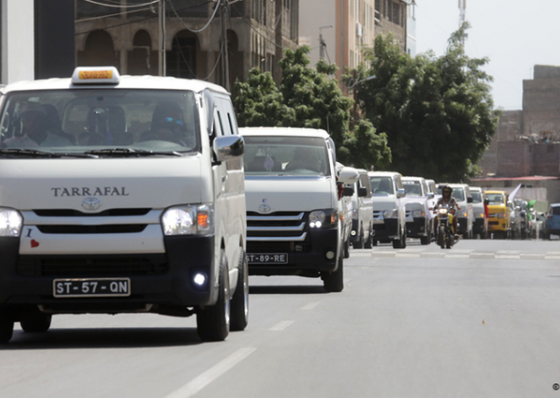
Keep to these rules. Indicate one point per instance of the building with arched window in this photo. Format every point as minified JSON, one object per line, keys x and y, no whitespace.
{"x":257,"y":32}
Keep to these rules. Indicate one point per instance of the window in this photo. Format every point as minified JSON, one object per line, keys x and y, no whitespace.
{"x":381,"y":186}
{"x":412,"y":188}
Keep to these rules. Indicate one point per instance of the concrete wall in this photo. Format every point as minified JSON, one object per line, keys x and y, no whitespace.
{"x":312,"y":15}
{"x":541,"y":107}
{"x":546,"y":72}
{"x":514,"y":159}
{"x":18,"y":48}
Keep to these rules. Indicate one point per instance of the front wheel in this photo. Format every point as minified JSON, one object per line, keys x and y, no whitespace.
{"x":441,"y":237}
{"x":347,"y":249}
{"x":425,"y":240}
{"x":367,"y":243}
{"x":359,"y":243}
{"x":334,"y":281}
{"x":240,"y":299}
{"x":213,"y":321}
{"x":6,"y":327}
{"x":36,"y":323}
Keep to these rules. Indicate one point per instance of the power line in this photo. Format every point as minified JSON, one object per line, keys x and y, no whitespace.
{"x":139,"y":20}
{"x":205,"y":26}
{"x":121,"y":6}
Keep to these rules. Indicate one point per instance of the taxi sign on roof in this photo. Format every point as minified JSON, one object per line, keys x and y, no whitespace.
{"x":96,"y":75}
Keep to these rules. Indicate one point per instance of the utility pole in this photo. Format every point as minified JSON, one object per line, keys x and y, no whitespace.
{"x":162,"y":39}
{"x":462,"y":12}
{"x":322,"y":44}
{"x":225,"y":56}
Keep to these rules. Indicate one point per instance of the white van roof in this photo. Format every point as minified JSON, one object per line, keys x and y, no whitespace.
{"x":125,"y":82}
{"x":285,"y":131}
{"x":383,"y":173}
{"x":413,"y":178}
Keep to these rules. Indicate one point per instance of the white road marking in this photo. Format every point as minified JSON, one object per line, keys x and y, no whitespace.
{"x":407,"y":255}
{"x":507,"y":257}
{"x":347,"y":280}
{"x":552,"y":257}
{"x":310,"y":306}
{"x":199,"y":382}
{"x":280,"y":326}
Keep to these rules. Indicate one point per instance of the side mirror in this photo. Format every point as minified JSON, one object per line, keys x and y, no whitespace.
{"x":469,"y":199}
{"x":401,"y":193}
{"x":348,"y":191}
{"x":431,"y":195}
{"x":348,"y":175}
{"x":362,"y":192}
{"x":229,"y":147}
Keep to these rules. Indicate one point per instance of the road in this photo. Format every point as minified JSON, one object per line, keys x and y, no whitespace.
{"x":480,"y":320}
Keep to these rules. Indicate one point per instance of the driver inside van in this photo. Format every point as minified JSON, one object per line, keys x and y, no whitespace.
{"x":303,"y":159}
{"x":168,"y":125}
{"x":34,"y":132}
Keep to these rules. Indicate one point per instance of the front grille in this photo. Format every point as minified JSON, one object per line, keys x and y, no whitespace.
{"x":94,"y":266}
{"x":92,"y":229}
{"x":494,"y":223}
{"x":279,"y":227}
{"x":106,"y":213}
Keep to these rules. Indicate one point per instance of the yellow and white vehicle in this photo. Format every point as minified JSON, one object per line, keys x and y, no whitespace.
{"x":499,"y":221}
{"x":121,"y":194}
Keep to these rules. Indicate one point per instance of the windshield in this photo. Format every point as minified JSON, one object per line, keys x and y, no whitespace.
{"x":76,"y":121}
{"x":381,"y":186}
{"x":459,"y":194}
{"x":476,"y":196}
{"x":412,"y":188}
{"x":298,"y":156}
{"x":494,"y":198}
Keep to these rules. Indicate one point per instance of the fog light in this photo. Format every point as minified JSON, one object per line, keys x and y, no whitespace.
{"x":199,"y":279}
{"x":353,"y":233}
{"x":330,"y":255}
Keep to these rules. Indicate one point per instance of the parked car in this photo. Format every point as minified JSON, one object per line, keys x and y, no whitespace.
{"x":417,"y":205}
{"x":362,"y":213}
{"x":345,"y":213}
{"x":499,"y":220}
{"x":292,"y":190}
{"x":389,"y":215}
{"x":480,"y":226}
{"x":552,"y":222}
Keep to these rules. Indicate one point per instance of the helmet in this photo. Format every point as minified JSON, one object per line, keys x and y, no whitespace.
{"x":446,"y":188}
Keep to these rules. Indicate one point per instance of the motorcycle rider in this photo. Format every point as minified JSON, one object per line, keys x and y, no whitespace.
{"x":447,"y":200}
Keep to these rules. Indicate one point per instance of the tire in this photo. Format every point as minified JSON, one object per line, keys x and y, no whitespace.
{"x":400,"y":243}
{"x":367,"y":243}
{"x":333,"y":282}
{"x":213,"y":322}
{"x":6,"y":327}
{"x":374,"y":242}
{"x":347,"y":249}
{"x":36,"y":323}
{"x":425,"y":240}
{"x":359,"y":244}
{"x":240,"y":299}
{"x":441,"y":237}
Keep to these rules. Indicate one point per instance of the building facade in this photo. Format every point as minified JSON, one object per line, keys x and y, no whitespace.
{"x":347,"y":26}
{"x":527,"y":142}
{"x":17,"y":52}
{"x":129,"y":37}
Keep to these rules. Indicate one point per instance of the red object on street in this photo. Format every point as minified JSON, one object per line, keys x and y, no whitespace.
{"x":486,"y":211}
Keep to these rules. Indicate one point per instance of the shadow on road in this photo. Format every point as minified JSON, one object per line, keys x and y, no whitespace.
{"x":103,"y":338}
{"x":287,"y":289}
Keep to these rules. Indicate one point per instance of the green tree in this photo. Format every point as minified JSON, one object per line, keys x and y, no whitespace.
{"x":258,"y":102}
{"x":309,"y":97}
{"x":437,"y":112}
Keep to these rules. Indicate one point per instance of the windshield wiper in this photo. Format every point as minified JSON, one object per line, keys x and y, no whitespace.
{"x":130,"y":152}
{"x":41,"y":154}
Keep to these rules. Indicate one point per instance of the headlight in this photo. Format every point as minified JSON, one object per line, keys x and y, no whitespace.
{"x":390,"y":213}
{"x":323,"y":218}
{"x":188,"y":220}
{"x":482,"y":215}
{"x":418,"y":213}
{"x":464,"y":214}
{"x":442,"y":212}
{"x":501,"y":215}
{"x":10,"y":222}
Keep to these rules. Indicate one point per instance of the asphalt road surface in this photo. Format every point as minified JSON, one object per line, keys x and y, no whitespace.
{"x":480,"y":320}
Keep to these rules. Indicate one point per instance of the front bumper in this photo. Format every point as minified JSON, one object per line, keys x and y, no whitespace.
{"x":479,"y":226}
{"x":305,"y":258}
{"x":386,"y":230}
{"x":497,"y":225}
{"x":417,"y":228}
{"x":155,"y":279}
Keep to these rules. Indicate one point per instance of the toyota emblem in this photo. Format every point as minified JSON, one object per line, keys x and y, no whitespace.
{"x":91,"y":204}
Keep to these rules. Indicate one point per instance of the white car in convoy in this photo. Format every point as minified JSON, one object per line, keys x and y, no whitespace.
{"x":417,"y":205}
{"x":389,"y":217}
{"x":345,"y":213}
{"x":121,"y":195}
{"x":362,"y":213}
{"x":293,"y":192}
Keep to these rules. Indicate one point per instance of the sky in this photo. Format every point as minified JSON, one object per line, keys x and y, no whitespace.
{"x":514,"y":34}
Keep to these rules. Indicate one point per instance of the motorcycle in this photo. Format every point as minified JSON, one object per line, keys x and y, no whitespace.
{"x":445,"y":236}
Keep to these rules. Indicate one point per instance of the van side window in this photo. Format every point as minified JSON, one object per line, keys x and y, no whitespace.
{"x":222,"y":132}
